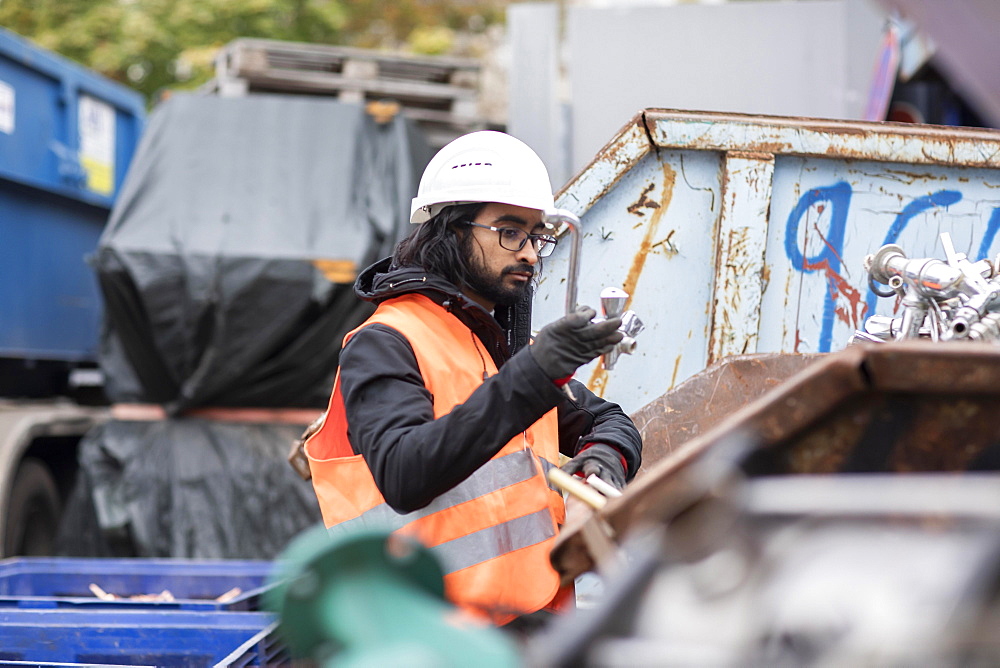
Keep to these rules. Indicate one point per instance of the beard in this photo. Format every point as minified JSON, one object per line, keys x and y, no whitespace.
{"x":492,"y":287}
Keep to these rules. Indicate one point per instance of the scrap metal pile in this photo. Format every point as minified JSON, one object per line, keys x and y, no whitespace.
{"x":947,"y":300}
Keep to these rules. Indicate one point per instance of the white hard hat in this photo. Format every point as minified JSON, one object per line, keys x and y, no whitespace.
{"x":483,"y":166}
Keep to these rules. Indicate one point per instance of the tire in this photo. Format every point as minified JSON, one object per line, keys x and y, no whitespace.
{"x":33,"y":511}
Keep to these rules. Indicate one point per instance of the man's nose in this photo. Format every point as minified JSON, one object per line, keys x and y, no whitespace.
{"x":528,"y":253}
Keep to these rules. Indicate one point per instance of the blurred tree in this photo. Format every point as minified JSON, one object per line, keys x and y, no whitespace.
{"x":153,"y":45}
{"x":406,"y":24}
{"x":156,"y":44}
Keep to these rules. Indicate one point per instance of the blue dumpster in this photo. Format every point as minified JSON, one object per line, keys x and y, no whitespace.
{"x":42,"y":582}
{"x":67,"y":136}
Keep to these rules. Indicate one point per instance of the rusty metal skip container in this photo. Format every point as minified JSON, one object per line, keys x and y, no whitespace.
{"x":737,"y":234}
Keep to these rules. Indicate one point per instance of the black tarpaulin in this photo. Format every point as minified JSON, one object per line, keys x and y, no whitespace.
{"x":217,"y":261}
{"x":227,"y":271}
{"x":186,"y":488}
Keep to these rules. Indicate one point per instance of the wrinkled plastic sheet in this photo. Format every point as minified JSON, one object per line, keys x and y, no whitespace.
{"x":187,"y":488}
{"x":228,"y":262}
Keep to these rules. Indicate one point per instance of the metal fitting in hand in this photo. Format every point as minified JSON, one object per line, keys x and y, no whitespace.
{"x":612,"y":306}
{"x":612,"y":299}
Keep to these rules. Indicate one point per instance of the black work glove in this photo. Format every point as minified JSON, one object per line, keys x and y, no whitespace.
{"x":572,"y":341}
{"x":601,"y":460}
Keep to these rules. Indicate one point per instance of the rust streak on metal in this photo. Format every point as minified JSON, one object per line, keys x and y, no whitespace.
{"x":784,"y":323}
{"x":677,"y":366}
{"x":639,"y":261}
{"x":669,"y":248}
{"x":751,"y":155}
{"x":756,"y":149}
{"x":644,"y":202}
{"x":598,"y":382}
{"x":719,"y":257}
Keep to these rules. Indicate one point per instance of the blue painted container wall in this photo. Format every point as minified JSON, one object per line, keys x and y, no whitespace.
{"x":67,"y":136}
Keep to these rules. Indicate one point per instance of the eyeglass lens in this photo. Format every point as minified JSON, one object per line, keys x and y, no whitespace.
{"x":513,"y":239}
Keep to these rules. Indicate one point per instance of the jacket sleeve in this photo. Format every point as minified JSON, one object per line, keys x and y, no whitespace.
{"x":591,"y":419}
{"x":390,"y":413}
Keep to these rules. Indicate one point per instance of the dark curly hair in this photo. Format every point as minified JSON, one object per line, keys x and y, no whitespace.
{"x":439,"y":245}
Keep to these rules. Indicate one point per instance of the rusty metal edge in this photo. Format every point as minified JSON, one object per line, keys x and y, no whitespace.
{"x":908,"y":366}
{"x":778,"y":413}
{"x":654,"y":128}
{"x":815,"y":137}
{"x":629,"y":145}
{"x":746,"y":377}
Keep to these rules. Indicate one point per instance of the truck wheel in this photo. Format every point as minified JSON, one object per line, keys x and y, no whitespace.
{"x":32,"y":511}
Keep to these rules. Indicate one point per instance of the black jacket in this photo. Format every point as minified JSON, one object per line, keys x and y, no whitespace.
{"x":415,"y":458}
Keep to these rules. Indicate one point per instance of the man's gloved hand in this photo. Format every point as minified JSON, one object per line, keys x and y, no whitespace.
{"x":572,"y":341}
{"x":600,"y":459}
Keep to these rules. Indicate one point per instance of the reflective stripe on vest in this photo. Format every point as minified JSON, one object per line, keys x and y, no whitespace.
{"x":481,"y":545}
{"x":485,"y":544}
{"x":493,"y":475}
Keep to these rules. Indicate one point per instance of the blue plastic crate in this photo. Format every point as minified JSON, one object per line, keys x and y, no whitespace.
{"x":140,"y":637}
{"x":43,"y":582}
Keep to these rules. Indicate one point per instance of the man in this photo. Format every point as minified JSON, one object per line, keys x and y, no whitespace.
{"x":443,"y":420}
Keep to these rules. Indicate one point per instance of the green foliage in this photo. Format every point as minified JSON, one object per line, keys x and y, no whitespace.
{"x":397,"y":24}
{"x":155,"y":45}
{"x":432,"y":41}
{"x":152,"y":45}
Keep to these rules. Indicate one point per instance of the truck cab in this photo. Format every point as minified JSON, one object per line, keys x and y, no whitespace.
{"x":38,"y":444}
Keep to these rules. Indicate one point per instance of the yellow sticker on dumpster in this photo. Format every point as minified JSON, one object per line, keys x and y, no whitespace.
{"x":100,"y":176}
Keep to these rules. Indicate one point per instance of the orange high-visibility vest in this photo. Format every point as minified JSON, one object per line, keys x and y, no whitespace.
{"x":493,"y":532}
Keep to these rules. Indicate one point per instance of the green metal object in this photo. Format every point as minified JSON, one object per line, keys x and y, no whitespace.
{"x":374,"y":599}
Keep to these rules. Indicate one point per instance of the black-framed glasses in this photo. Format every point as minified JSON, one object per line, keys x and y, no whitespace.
{"x":514,"y":238}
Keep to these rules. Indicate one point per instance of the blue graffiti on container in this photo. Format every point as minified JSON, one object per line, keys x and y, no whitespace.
{"x":991,"y":233}
{"x":828,"y":259}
